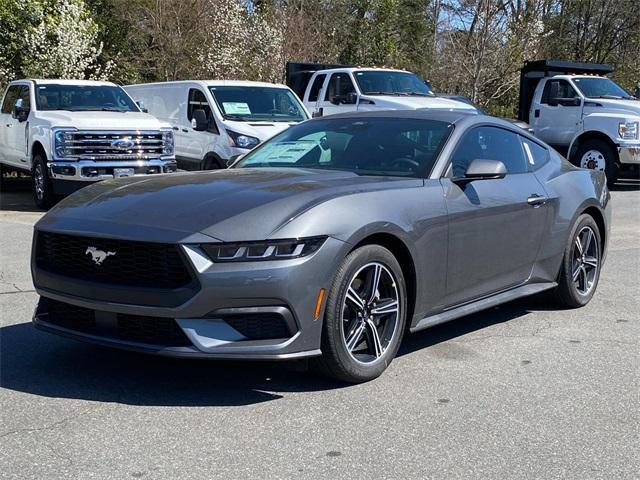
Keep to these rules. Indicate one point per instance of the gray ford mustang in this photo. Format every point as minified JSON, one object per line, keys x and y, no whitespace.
{"x":328,"y":241}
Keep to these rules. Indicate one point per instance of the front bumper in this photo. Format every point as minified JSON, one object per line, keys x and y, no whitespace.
{"x":217,"y":320}
{"x":629,"y":153}
{"x":92,"y":171}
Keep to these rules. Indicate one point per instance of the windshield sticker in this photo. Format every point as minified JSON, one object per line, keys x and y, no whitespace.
{"x":236,"y":108}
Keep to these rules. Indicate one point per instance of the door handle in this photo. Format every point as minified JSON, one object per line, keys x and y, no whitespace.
{"x":536,"y":113}
{"x":175,"y":128}
{"x":536,"y":200}
{"x":185,"y":130}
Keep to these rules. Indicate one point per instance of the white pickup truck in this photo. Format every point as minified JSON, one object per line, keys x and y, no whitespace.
{"x":328,"y":91}
{"x":70,"y":133}
{"x":583,"y":114}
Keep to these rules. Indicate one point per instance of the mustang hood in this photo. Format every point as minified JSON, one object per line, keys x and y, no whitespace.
{"x":191,"y":207}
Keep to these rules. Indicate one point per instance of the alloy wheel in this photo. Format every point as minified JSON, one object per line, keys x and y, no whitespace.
{"x":370,"y":312}
{"x":38,"y":180}
{"x":585,"y":261}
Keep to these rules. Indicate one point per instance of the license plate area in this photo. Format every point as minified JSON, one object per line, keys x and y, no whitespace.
{"x":123,"y":172}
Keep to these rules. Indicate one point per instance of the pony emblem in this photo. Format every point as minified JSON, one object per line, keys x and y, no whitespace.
{"x":98,"y":256}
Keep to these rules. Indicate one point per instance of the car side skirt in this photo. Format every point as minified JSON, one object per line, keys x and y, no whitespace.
{"x":482,"y":304}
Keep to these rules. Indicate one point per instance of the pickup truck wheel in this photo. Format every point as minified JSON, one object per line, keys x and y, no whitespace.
{"x":42,"y":188}
{"x":597,"y":155}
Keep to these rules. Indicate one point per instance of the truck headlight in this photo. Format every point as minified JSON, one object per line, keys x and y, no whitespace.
{"x":242,"y":141}
{"x":628,"y":130}
{"x":261,"y":251}
{"x":62,"y":141}
{"x":167,"y":141}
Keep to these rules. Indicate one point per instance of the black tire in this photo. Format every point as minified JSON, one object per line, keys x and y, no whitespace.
{"x":211,"y":162}
{"x":604,"y":153}
{"x":41,"y":185}
{"x":568,"y":292}
{"x":337,"y":360}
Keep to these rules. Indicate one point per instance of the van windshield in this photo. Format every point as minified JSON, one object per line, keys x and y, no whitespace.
{"x":599,"y":87}
{"x":78,"y":98}
{"x":384,"y":82}
{"x":250,"y":104}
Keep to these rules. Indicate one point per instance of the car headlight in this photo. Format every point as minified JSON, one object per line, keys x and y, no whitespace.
{"x":628,"y":130}
{"x":167,"y":141}
{"x":261,"y":251}
{"x":62,"y":138}
{"x":242,"y":141}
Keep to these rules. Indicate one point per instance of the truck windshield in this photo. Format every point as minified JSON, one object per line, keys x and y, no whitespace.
{"x":599,"y":87}
{"x":381,"y":82}
{"x":250,"y":104}
{"x":78,"y":98}
{"x":398,"y":147}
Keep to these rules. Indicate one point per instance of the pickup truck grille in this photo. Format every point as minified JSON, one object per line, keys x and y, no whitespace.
{"x":95,"y":145}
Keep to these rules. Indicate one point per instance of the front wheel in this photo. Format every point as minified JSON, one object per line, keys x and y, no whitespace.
{"x":597,"y":155}
{"x":41,"y":183}
{"x":364,"y":317}
{"x":580,"y":270}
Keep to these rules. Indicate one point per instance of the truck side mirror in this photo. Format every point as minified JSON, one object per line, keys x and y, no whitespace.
{"x":140,"y":104}
{"x":570,"y":102}
{"x":351,"y":98}
{"x":199,"y":122}
{"x":20,"y":112}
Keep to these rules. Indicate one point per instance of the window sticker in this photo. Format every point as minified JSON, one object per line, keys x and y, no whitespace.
{"x":236,"y":108}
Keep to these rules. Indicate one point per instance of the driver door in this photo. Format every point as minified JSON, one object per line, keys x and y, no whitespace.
{"x":336,"y":94}
{"x":553,"y":121}
{"x":15,"y":142}
{"x":496,"y":225}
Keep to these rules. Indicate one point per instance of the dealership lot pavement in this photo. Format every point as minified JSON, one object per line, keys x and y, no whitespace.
{"x":520,"y":391}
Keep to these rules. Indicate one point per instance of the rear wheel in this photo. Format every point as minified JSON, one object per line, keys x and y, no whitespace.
{"x":580,"y":269}
{"x":41,"y":183}
{"x":598,"y":155}
{"x":365,"y":316}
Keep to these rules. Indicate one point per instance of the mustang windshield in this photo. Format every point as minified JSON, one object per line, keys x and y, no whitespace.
{"x":599,"y":87}
{"x":381,"y":82}
{"x":250,"y":104}
{"x":406,"y":147}
{"x":77,"y":98}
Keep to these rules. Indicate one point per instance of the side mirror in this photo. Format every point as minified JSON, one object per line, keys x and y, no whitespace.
{"x":480,"y":169}
{"x":351,"y":98}
{"x":570,"y":102}
{"x":199,"y":122}
{"x":336,"y":99}
{"x":20,"y":112}
{"x":140,"y":104}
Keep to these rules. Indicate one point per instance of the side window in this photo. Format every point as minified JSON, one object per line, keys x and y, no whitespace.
{"x":557,"y":89}
{"x":536,"y":154}
{"x":24,"y":95}
{"x":10,"y":98}
{"x":340,"y":85}
{"x":489,"y":143}
{"x":315,"y":88}
{"x":197,"y":100}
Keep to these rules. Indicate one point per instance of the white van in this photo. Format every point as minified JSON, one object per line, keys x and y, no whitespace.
{"x":216,"y":120}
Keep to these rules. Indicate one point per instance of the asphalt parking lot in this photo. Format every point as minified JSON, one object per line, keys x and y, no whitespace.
{"x":520,"y":391}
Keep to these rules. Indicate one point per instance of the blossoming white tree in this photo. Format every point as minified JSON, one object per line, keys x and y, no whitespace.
{"x":63,"y":42}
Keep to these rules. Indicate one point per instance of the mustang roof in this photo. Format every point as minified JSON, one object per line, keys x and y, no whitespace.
{"x":449,"y":116}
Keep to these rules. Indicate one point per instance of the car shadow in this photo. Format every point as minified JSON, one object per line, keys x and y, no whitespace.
{"x":34,"y":362}
{"x":16,"y":195}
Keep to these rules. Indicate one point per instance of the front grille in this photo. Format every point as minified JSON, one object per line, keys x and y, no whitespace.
{"x":114,"y":145}
{"x":118,"y":262}
{"x":260,"y":326}
{"x":159,"y":331}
